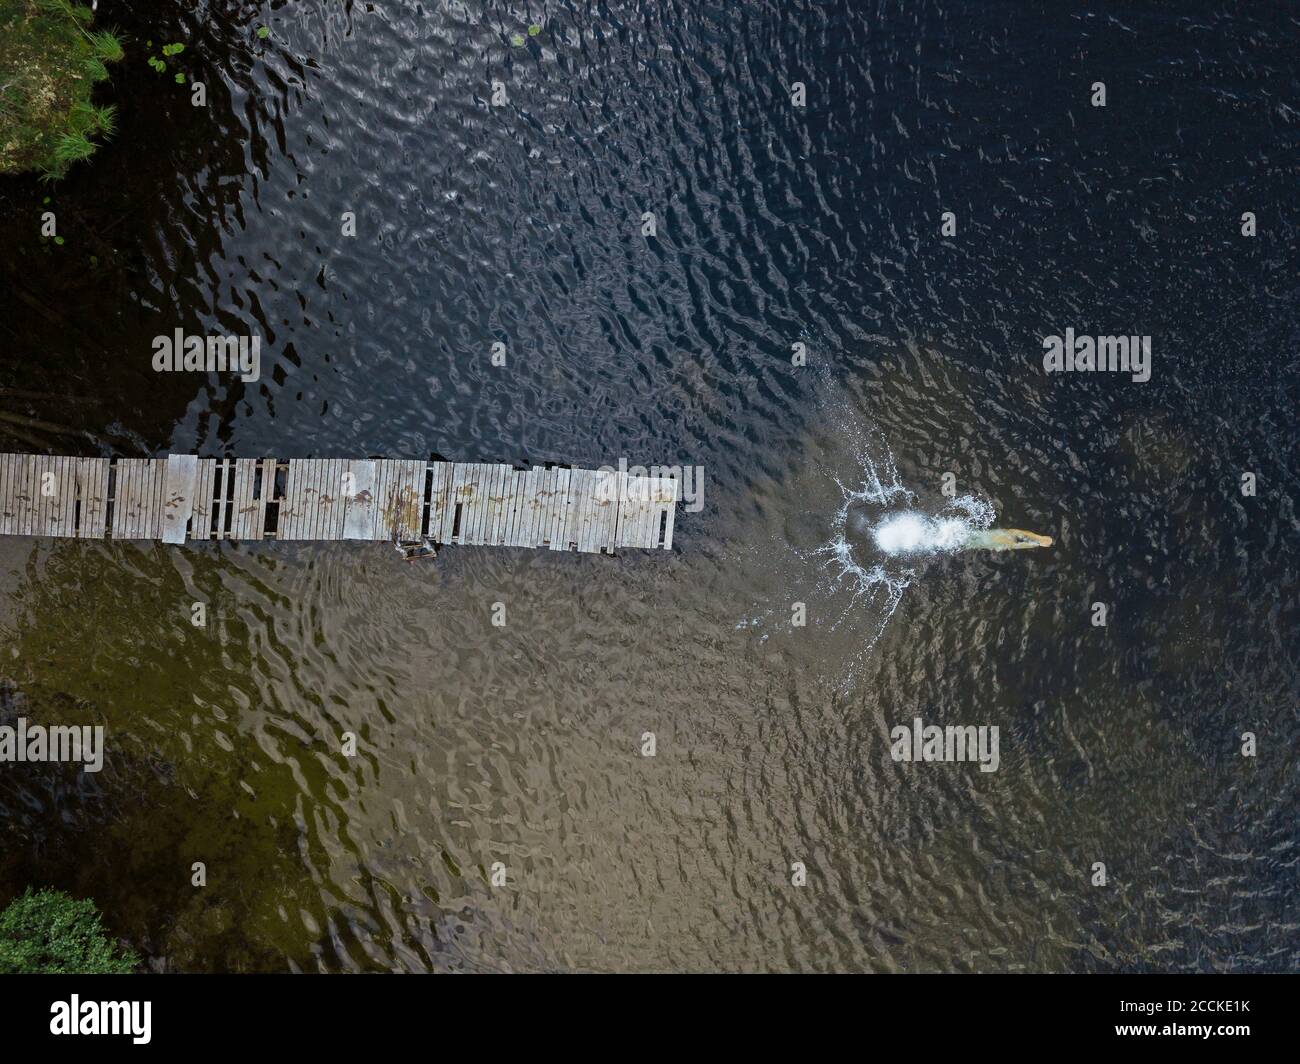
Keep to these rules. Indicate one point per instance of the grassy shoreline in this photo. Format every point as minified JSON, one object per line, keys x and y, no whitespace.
{"x":50,"y":62}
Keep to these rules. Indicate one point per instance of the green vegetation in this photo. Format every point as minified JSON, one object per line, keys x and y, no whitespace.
{"x":49,"y":932}
{"x":50,"y":61}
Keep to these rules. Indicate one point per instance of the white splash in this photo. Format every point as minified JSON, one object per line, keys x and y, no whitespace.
{"x":878,"y":534}
{"x":911,"y":532}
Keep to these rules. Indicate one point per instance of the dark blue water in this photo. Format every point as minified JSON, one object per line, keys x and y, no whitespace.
{"x":776,"y":224}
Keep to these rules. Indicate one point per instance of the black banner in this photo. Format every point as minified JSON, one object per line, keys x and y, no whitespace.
{"x":1148,"y":1013}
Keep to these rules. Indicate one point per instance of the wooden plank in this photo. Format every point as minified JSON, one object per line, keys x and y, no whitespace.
{"x":25,"y":476}
{"x":511,"y":531}
{"x":587,"y":481}
{"x":536,"y":508}
{"x":123,"y":469}
{"x":523,"y":509}
{"x":563,"y":489}
{"x":159,"y":468}
{"x":40,"y":523}
{"x":449,"y":506}
{"x":383,"y":490}
{"x":533,"y":503}
{"x":117,"y":477}
{"x":146,"y":484}
{"x":546,"y":503}
{"x":287,"y":526}
{"x":438,"y":497}
{"x":595,"y":491}
{"x":222,"y":502}
{"x":359,"y":507}
{"x":503,"y":478}
{"x":471,"y":513}
{"x":141,"y":526}
{"x":632,"y":512}
{"x":645,"y":512}
{"x":40,"y":501}
{"x":526,"y":507}
{"x":324,"y":498}
{"x":489,"y":472}
{"x":143,"y":484}
{"x":455,"y":498}
{"x":654,"y":512}
{"x":124,"y":498}
{"x":303,"y":508}
{"x":41,"y":487}
{"x":92,"y":494}
{"x":178,"y":496}
{"x":491,"y":478}
{"x":337,"y":510}
{"x":68,"y":498}
{"x":35,"y":520}
{"x":601,"y":484}
{"x":205,"y":508}
{"x":243,"y":522}
{"x":260,"y":496}
{"x":6,"y":495}
{"x":52,"y":492}
{"x":68,"y":493}
{"x":559,"y":507}
{"x":55,"y":499}
{"x":248,"y":521}
{"x":670,"y":487}
{"x":577,"y":495}
{"x":613,"y":485}
{"x":10,"y":502}
{"x":410,"y":499}
{"x":317,"y":494}
{"x":486,"y":477}
{"x":401,"y":499}
{"x":7,"y":503}
{"x":329,"y":508}
{"x":624,"y":514}
{"x":518,"y":491}
{"x":542,"y":506}
{"x":146,"y":529}
{"x":466,"y":498}
{"x":64,"y":499}
{"x":201,"y":514}
{"x":309,"y":497}
{"x":569,"y":517}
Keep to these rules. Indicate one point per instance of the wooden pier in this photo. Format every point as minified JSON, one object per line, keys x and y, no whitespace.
{"x":183,"y":497}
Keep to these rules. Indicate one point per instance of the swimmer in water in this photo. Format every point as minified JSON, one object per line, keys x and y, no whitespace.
{"x":1005,"y":539}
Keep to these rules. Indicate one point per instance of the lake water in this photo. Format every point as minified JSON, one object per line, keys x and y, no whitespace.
{"x":777,"y":225}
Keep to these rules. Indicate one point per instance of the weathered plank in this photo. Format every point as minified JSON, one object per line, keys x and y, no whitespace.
{"x":565,"y":511}
{"x":559,"y":508}
{"x":178,"y":496}
{"x":439,"y":494}
{"x":401,"y":499}
{"x":610,"y":492}
{"x":360,"y":506}
{"x":92,"y":497}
